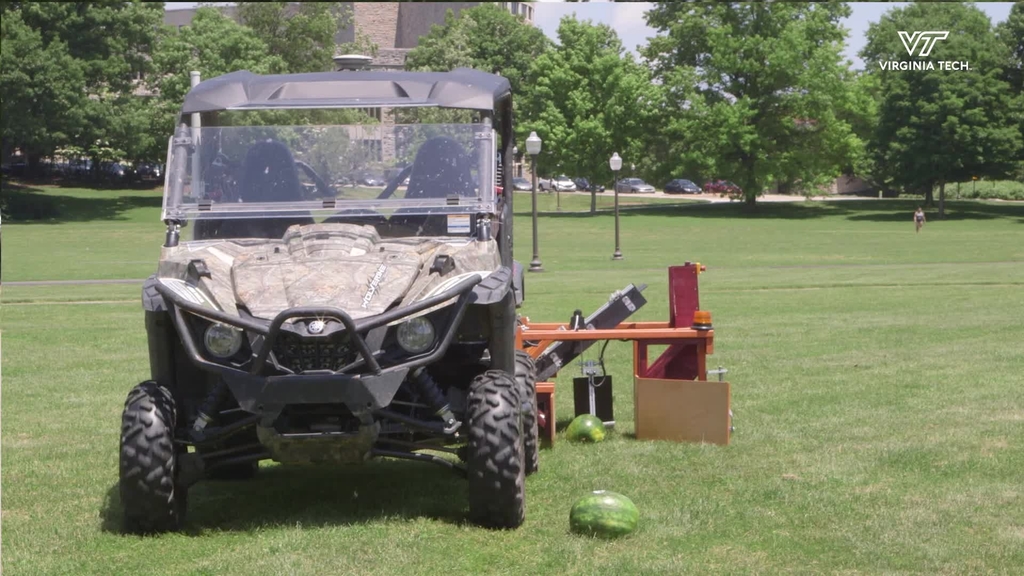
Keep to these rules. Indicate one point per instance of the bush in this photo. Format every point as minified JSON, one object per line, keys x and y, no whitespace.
{"x":988,"y":189}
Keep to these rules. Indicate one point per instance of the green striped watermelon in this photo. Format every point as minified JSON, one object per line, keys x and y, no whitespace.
{"x":603,"y":513}
{"x":585,"y":428}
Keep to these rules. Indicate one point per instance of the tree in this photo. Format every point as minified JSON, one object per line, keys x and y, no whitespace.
{"x":1011,"y":33}
{"x":212,"y":44}
{"x":487,"y":38}
{"x":215,"y":45}
{"x":42,"y":90}
{"x":587,"y":98}
{"x":301,"y":35}
{"x":56,"y":49}
{"x":754,"y":92}
{"x":936,"y":125}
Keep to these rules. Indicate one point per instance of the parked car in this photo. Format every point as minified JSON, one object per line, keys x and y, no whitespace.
{"x":371,"y":181}
{"x":635,"y":186}
{"x":521,"y":184}
{"x":561,"y":183}
{"x":587,"y":186}
{"x":721,"y":187}
{"x":79,"y":168}
{"x":113,"y":171}
{"x":149,"y":171}
{"x":681,"y":186}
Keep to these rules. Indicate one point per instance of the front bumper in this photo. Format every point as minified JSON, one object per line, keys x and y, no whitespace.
{"x":262,"y":385}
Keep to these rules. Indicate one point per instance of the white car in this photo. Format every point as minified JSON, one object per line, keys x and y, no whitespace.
{"x":561,"y":183}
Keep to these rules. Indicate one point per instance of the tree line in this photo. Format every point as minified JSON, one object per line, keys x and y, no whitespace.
{"x":757,"y":93}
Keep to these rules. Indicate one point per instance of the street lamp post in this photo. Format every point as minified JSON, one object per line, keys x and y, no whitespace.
{"x":616,"y":164}
{"x":533,"y":149}
{"x":558,"y":197}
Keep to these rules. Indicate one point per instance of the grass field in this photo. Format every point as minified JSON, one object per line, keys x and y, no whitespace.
{"x":876,"y":373}
{"x":88,"y":234}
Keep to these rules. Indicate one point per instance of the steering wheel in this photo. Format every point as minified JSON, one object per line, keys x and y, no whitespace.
{"x":325,"y":190}
{"x":395,"y":182}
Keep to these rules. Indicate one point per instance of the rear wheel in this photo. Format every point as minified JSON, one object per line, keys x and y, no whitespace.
{"x":526,"y":380}
{"x":494,"y":456}
{"x":152,"y":499}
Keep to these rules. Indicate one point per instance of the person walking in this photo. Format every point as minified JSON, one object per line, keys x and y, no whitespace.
{"x":918,"y":219}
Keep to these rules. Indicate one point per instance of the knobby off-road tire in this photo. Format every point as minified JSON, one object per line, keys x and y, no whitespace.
{"x":151,"y":498}
{"x":497,"y":474}
{"x":526,"y":379}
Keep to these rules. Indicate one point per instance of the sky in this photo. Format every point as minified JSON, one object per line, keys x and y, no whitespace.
{"x":627,"y":19}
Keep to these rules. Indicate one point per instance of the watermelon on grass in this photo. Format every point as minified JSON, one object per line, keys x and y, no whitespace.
{"x":605,"y":514}
{"x":585,"y":428}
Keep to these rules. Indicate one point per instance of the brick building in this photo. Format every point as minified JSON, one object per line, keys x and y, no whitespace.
{"x":395,"y":27}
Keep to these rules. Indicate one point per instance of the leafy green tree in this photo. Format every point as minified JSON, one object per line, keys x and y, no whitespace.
{"x":300,"y":34}
{"x":42,"y":89}
{"x":485,"y":37}
{"x":1011,"y":33}
{"x":53,"y":50}
{"x":754,"y":92}
{"x":587,"y":98}
{"x":212,"y":44}
{"x":935,"y":125}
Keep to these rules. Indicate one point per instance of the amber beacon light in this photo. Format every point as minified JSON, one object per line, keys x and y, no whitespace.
{"x":702,"y":320}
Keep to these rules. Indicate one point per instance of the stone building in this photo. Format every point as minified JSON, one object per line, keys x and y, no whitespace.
{"x":395,"y":27}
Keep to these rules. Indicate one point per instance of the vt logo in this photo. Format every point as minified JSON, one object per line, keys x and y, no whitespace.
{"x":926,"y":40}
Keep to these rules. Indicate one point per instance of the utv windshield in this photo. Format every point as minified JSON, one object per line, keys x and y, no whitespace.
{"x":223,"y":181}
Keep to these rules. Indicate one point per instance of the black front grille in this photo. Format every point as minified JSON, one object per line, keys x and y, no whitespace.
{"x":298,"y":354}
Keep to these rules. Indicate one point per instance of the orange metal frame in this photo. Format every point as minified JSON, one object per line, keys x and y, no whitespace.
{"x":684,"y":359}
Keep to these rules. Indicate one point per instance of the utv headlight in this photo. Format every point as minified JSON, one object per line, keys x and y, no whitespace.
{"x":416,"y":335}
{"x":222,"y":341}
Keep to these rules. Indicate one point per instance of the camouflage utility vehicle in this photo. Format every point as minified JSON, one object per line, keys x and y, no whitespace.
{"x":303,"y":312}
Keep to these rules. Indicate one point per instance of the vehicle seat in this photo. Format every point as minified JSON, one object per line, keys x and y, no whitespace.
{"x":441,"y":169}
{"x":269,"y":174}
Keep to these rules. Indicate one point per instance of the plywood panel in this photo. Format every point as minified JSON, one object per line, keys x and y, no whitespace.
{"x":682,"y":410}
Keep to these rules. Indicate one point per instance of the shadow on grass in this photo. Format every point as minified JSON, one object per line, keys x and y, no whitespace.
{"x":955,"y":211}
{"x":29,"y":204}
{"x":317,"y":496}
{"x":773,"y":210}
{"x":562,"y":423}
{"x":889,"y":210}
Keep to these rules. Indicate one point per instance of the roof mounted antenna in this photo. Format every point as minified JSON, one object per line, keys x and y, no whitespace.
{"x":352,"y":62}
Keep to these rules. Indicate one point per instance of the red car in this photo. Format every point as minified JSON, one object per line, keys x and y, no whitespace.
{"x":721,"y":187}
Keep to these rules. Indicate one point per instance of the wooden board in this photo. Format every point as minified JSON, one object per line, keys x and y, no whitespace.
{"x":682,"y":410}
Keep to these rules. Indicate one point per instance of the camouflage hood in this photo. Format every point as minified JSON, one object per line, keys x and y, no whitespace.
{"x":336,"y":265}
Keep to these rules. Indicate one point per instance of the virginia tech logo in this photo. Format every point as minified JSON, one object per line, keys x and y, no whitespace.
{"x":921,"y":44}
{"x":926,"y":41}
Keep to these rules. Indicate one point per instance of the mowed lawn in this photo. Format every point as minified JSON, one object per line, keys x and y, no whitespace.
{"x":876,"y":374}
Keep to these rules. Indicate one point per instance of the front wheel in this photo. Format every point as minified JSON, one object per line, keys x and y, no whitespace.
{"x":152,"y":499}
{"x":494,"y":456}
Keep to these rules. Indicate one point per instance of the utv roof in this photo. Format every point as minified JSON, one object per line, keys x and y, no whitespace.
{"x":461,"y":88}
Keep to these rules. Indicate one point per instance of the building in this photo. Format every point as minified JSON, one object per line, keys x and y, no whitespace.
{"x":395,"y":27}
